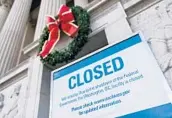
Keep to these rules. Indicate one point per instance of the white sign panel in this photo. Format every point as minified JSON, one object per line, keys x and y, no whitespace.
{"x":121,"y":80}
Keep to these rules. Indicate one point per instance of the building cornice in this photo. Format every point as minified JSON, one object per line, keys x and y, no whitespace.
{"x":131,"y":3}
{"x":31,"y":49}
{"x":141,"y":7}
{"x":95,"y":4}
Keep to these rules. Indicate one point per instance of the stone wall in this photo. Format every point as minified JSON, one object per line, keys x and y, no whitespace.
{"x":13,"y":100}
{"x":154,"y":20}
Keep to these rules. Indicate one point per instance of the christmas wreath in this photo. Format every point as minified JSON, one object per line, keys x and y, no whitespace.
{"x":74,"y":22}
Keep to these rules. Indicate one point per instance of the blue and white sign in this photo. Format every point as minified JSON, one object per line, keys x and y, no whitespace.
{"x":121,"y":80}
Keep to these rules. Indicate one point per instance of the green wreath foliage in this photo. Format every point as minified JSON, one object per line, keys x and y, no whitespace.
{"x":82,"y":19}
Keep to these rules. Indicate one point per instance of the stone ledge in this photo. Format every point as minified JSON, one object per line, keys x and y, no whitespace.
{"x":131,"y":3}
{"x":95,"y":4}
{"x":142,"y":6}
{"x":15,"y":71}
{"x":31,"y":49}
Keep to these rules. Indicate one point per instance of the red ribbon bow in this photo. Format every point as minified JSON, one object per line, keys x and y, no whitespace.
{"x":65,"y":23}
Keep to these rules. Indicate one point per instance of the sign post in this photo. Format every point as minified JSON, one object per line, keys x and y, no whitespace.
{"x":121,"y":80}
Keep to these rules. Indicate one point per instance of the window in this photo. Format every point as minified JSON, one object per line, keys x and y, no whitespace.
{"x":90,"y":1}
{"x":70,"y":3}
{"x":94,"y":43}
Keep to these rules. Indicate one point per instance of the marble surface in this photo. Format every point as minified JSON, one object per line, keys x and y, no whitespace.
{"x":156,"y":25}
{"x":12,"y":100}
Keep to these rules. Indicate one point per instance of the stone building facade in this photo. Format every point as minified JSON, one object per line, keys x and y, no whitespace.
{"x":25,"y":81}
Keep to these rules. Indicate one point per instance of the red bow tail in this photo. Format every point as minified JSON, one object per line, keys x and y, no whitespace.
{"x":48,"y":46}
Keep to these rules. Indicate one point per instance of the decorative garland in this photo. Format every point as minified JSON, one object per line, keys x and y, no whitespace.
{"x":82,"y":20}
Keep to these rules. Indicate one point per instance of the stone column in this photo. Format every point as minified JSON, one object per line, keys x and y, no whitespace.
{"x":81,"y":3}
{"x":5,"y":6}
{"x":39,"y":81}
{"x":117,"y":18}
{"x":47,"y":7}
{"x":12,"y":34}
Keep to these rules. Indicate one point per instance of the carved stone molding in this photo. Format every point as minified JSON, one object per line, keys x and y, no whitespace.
{"x":10,"y":109}
{"x":156,"y":24}
{"x":1,"y":102}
